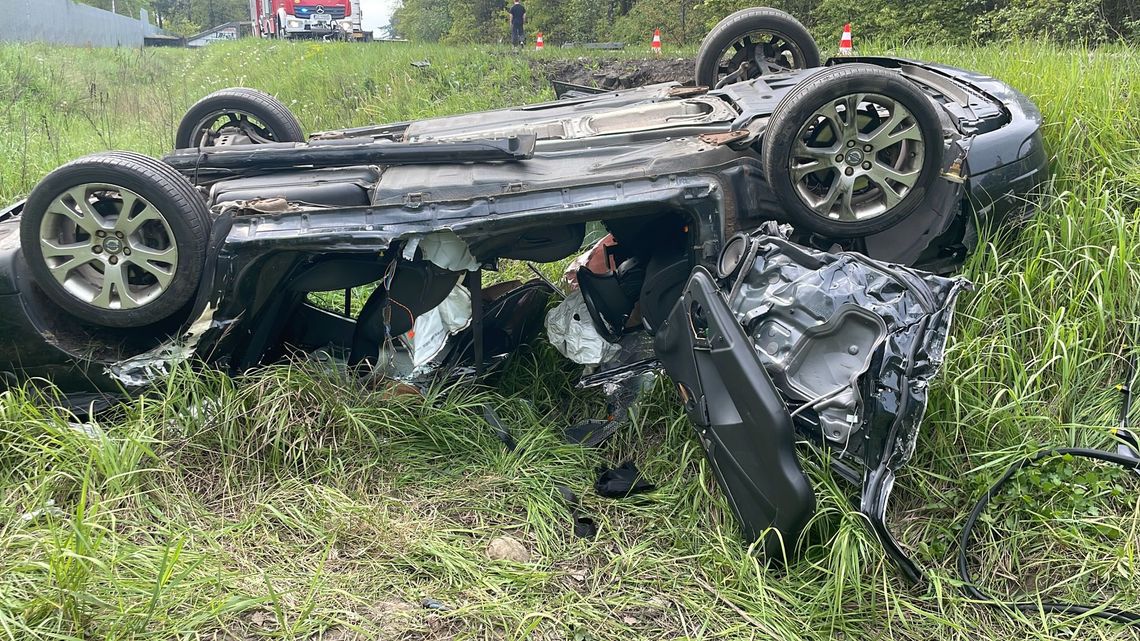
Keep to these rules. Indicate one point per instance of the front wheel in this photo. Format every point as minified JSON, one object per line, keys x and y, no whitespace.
{"x":237,"y":116}
{"x":116,"y":239}
{"x":852,"y":150}
{"x":752,"y":43}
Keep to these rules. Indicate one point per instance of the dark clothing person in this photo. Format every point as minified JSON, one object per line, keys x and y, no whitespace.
{"x":518,"y":14}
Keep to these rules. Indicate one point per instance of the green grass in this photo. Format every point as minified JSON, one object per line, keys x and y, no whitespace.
{"x":292,"y":504}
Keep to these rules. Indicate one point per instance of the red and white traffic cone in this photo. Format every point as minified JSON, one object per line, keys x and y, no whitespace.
{"x":845,"y":41}
{"x":656,"y":45}
{"x":538,"y":44}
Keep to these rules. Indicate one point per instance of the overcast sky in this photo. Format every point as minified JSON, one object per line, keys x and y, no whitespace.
{"x":375,"y":13}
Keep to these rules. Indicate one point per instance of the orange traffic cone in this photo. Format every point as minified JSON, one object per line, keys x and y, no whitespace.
{"x":845,"y":41}
{"x":656,"y":46}
{"x":538,"y":44}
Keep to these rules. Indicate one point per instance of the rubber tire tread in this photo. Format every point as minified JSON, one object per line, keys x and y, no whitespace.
{"x":746,"y":21}
{"x":266,"y":108}
{"x":799,"y":103}
{"x":144,"y":175}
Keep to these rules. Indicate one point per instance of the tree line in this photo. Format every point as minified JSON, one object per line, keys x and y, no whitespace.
{"x":180,"y":16}
{"x":684,"y":22}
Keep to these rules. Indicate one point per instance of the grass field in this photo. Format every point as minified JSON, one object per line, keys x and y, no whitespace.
{"x":290,"y":504}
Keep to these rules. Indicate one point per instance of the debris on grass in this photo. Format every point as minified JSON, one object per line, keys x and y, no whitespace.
{"x":435,"y":604}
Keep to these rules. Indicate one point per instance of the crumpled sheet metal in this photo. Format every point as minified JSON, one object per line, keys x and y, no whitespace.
{"x":150,"y":366}
{"x":157,"y":364}
{"x":572,"y":333}
{"x":792,"y":296}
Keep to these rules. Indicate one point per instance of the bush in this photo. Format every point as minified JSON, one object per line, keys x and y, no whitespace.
{"x":936,"y":21}
{"x":1070,"y":21}
{"x":684,"y":22}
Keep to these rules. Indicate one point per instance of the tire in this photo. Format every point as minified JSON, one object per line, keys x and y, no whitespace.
{"x":799,"y":49}
{"x":879,"y":176}
{"x":277,"y":123}
{"x":156,"y":287}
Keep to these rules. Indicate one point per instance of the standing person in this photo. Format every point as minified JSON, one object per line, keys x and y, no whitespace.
{"x":518,"y":15}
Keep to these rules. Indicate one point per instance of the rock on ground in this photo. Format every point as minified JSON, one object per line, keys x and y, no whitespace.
{"x":506,"y":548}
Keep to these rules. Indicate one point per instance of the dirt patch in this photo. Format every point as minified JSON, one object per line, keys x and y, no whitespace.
{"x":616,"y":74}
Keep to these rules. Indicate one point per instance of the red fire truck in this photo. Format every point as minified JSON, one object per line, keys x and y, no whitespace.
{"x":306,"y":18}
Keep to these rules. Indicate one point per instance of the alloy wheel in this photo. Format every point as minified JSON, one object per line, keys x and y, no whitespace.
{"x":108,"y":246}
{"x":857,"y":157}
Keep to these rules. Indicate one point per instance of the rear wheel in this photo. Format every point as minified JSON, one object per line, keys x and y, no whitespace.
{"x":237,"y":116}
{"x":752,"y":43}
{"x":116,"y":239}
{"x":852,"y":151}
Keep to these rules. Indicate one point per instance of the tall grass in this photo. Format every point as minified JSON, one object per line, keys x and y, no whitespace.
{"x":291,"y":503}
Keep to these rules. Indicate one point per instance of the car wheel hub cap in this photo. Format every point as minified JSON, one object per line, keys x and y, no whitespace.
{"x":857,"y":157}
{"x":108,"y":246}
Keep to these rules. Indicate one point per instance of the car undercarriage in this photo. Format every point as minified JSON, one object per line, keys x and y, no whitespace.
{"x":778,"y":243}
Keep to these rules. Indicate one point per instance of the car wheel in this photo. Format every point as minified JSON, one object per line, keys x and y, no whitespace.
{"x":752,"y":43}
{"x":852,"y":150}
{"x":237,"y":116}
{"x":116,"y":239}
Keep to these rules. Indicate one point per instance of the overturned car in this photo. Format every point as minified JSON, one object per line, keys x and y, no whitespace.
{"x":779,"y":237}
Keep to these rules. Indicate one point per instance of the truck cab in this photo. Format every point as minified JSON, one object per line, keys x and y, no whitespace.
{"x":304,"y":18}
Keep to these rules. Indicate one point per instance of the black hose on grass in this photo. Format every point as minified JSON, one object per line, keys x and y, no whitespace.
{"x":1111,"y":614}
{"x":1124,"y":457}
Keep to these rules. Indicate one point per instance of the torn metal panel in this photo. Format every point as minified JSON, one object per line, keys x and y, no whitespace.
{"x":726,"y":138}
{"x":850,"y":343}
{"x":260,"y":206}
{"x":624,"y":379}
{"x":156,"y":364}
{"x":817,"y":319}
{"x":822,"y":323}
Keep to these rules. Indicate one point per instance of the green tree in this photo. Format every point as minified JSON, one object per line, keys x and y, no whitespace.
{"x":1082,"y":21}
{"x":476,"y":21}
{"x":190,"y":15}
{"x":425,"y":20}
{"x":684,"y":22}
{"x":681,"y":22}
{"x":122,"y":7}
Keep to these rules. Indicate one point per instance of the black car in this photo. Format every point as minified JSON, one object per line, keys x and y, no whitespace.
{"x":779,"y":236}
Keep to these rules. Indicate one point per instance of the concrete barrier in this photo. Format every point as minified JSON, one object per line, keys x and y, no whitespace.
{"x":68,"y":22}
